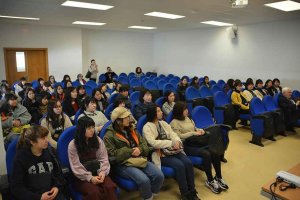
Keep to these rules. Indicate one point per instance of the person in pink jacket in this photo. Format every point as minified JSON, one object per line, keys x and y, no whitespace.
{"x":89,"y":163}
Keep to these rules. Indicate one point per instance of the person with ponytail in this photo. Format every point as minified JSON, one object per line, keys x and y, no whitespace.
{"x":55,"y":121}
{"x":89,"y":163}
{"x":35,"y":174}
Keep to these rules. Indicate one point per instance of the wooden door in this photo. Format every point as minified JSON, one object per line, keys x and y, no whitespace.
{"x":35,"y":61}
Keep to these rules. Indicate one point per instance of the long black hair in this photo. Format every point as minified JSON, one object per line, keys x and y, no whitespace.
{"x":81,"y":144}
{"x":142,"y":94}
{"x":152,"y":113}
{"x":178,"y":109}
{"x":53,"y":118}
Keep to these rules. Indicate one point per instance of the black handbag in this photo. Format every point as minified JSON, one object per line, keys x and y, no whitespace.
{"x":88,"y":74}
{"x":198,"y":140}
{"x":92,"y":166}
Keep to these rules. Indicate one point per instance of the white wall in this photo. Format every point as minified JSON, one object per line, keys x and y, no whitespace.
{"x":266,"y":50}
{"x":64,"y":46}
{"x":122,"y":51}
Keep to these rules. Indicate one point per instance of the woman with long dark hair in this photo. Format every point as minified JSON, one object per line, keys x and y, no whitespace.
{"x":70,"y":104}
{"x":191,"y":137}
{"x":52,"y":80}
{"x":81,"y":93}
{"x":65,"y":79}
{"x":55,"y":121}
{"x":89,"y":163}
{"x":101,"y":104}
{"x":269,"y":87}
{"x":138,"y":72}
{"x":169,"y":152}
{"x":167,"y":107}
{"x":59,"y":93}
{"x":206,"y":81}
{"x":130,"y":150}
{"x":195,"y":82}
{"x":35,"y":174}
{"x":181,"y":88}
{"x":32,"y":106}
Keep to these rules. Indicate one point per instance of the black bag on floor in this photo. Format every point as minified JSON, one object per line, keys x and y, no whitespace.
{"x":230,"y":115}
{"x":278,"y":122}
{"x":269,"y":129}
{"x":216,"y":141}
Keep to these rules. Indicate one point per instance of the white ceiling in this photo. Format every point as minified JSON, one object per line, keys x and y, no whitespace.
{"x":131,"y":12}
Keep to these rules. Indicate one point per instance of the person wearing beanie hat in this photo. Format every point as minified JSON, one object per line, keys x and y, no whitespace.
{"x":123,"y":142}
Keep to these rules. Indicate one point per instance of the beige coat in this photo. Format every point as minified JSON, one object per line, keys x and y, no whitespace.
{"x":184,"y":129}
{"x":150,"y":134}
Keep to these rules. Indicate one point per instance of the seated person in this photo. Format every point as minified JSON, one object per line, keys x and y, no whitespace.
{"x":89,"y":107}
{"x":48,"y":88}
{"x":120,"y":102}
{"x":259,"y":91}
{"x":145,"y":101}
{"x":191,"y":137}
{"x":92,"y":181}
{"x":169,"y":151}
{"x":206,"y":81}
{"x":145,"y":174}
{"x":117,"y":87}
{"x":52,"y":80}
{"x":32,"y":106}
{"x":40,"y":86}
{"x":181,"y":88}
{"x":239,"y":100}
{"x":109,"y":75}
{"x":167,"y":107}
{"x":81,"y":94}
{"x":101,"y":104}
{"x":195,"y":82}
{"x":55,"y":121}
{"x":269,"y":87}
{"x":65,"y":79}
{"x":20,"y":86}
{"x":14,"y":116}
{"x":123,"y":93}
{"x":103,"y":90}
{"x":139,"y":72}
{"x":22,"y":94}
{"x":59,"y":93}
{"x":35,"y":173}
{"x":248,"y":93}
{"x":43,"y":99}
{"x":276,"y":85}
{"x":290,"y":108}
{"x":80,"y":79}
{"x":68,"y":84}
{"x":70,"y":104}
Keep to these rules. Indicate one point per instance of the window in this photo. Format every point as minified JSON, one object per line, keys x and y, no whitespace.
{"x":20,"y":58}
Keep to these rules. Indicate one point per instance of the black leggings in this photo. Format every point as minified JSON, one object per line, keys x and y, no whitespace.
{"x":209,"y":157}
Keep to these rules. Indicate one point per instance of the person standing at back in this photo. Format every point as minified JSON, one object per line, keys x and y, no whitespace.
{"x":93,"y":69}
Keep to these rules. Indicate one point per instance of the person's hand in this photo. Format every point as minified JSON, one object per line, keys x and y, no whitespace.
{"x":297,"y":103}
{"x":136,"y":151}
{"x":200,"y":132}
{"x":98,"y":129}
{"x":16,"y":122}
{"x":95,"y":180}
{"x":101,"y":176}
{"x":53,"y":193}
{"x":45,"y":196}
{"x":177,"y":145}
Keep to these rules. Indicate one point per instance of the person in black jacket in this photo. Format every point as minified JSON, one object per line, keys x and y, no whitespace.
{"x":182,"y":86}
{"x":145,"y":102}
{"x":35,"y":174}
{"x":276,"y":85}
{"x":109,"y":75}
{"x":291,"y":108}
{"x":32,"y":106}
{"x":125,"y":96}
{"x":71,"y":104}
{"x":269,"y":87}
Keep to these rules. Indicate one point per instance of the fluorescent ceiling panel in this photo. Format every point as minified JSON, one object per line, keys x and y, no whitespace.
{"x":164,"y":15}
{"x":285,"y":5}
{"x":143,"y":27}
{"x":15,"y":17}
{"x":216,"y":23}
{"x":78,"y":4}
{"x":89,"y":23}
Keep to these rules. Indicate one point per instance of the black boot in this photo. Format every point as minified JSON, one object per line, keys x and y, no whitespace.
{"x":256,"y":140}
{"x":194,"y":195}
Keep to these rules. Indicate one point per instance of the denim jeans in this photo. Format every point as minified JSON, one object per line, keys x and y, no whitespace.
{"x":148,"y":179}
{"x":184,"y":171}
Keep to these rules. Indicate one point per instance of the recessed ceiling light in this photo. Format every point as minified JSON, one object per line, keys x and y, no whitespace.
{"x":89,"y":23}
{"x":14,"y":17}
{"x":164,"y":15}
{"x":285,"y":5}
{"x":216,"y":23}
{"x":142,"y":27}
{"x":78,"y":4}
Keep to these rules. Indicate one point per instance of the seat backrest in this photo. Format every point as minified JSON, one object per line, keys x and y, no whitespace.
{"x":202,"y":117}
{"x":295,"y":94}
{"x":192,"y":93}
{"x":174,"y":81}
{"x":156,"y":79}
{"x":169,"y":118}
{"x":150,"y":85}
{"x":160,"y":101}
{"x":112,"y":98}
{"x":229,"y":93}
{"x":162,"y":76}
{"x":170,"y":76}
{"x":215,"y":88}
{"x":269,"y":103}
{"x":76,"y":83}
{"x":62,"y":145}
{"x":61,"y":84}
{"x":170,"y":87}
{"x":91,"y":83}
{"x":160,"y":84}
{"x":103,"y":130}
{"x":123,"y":79}
{"x":10,"y":155}
{"x":102,"y":78}
{"x":134,"y":97}
{"x":256,"y":106}
{"x":205,"y":91}
{"x":123,"y":74}
{"x":88,"y":89}
{"x":212,"y":82}
{"x":220,"y":99}
{"x":140,"y":124}
{"x":135,"y":83}
{"x":276,"y":99}
{"x":79,"y":112}
{"x":108,"y":110}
